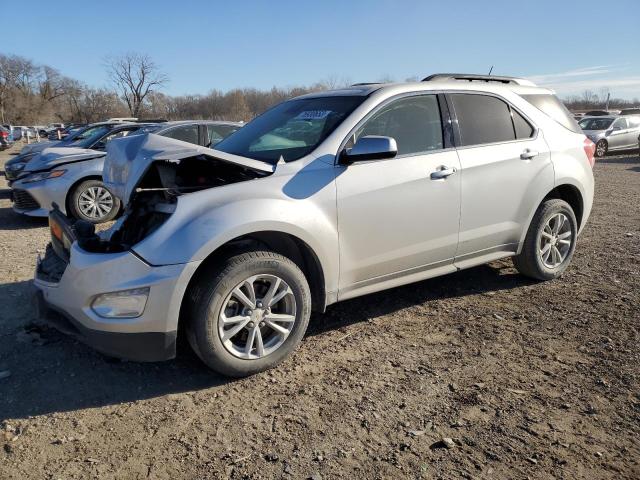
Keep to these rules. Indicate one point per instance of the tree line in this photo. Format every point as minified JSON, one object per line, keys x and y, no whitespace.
{"x":33,"y":94}
{"x":590,"y":100}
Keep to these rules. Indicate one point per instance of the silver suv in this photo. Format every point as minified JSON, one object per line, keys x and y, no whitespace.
{"x":325,"y":197}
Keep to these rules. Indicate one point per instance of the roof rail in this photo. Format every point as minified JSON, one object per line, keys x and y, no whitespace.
{"x":479,"y":78}
{"x":150,"y":120}
{"x":363,"y":84}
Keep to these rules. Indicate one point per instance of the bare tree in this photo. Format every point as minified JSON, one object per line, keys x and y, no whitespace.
{"x":135,"y":76}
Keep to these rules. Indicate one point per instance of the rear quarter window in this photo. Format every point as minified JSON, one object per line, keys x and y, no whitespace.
{"x":551,"y":106}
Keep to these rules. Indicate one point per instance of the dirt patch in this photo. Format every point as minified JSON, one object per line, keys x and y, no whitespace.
{"x":479,"y":374}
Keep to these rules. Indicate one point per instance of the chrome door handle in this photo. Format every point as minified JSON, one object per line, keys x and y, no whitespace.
{"x":444,"y":172}
{"x":528,"y":154}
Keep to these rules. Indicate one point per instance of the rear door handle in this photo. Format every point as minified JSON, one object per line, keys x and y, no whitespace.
{"x":443,"y":172}
{"x":528,"y":154}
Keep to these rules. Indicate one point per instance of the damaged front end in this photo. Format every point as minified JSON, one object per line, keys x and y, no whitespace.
{"x":149,"y":173}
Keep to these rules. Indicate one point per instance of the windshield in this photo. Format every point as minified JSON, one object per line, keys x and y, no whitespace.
{"x":291,"y":129}
{"x":595,"y":123}
{"x":84,"y":138}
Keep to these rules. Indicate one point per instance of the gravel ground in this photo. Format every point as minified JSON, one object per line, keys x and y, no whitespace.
{"x":528,"y":380}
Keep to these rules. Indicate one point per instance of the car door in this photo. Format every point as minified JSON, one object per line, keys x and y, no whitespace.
{"x":505,"y":170}
{"x":622,"y":134}
{"x":634,"y":127}
{"x":618,"y":135}
{"x":395,"y":221}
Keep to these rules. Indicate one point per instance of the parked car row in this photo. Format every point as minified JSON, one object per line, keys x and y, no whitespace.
{"x":322,"y":198}
{"x":68,"y":172}
{"x":18,"y":132}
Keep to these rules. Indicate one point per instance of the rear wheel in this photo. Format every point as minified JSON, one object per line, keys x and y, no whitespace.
{"x":248,"y":314}
{"x":92,"y":201}
{"x":550,"y":241}
{"x":602,"y":147}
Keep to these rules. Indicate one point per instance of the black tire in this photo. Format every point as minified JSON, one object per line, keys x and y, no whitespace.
{"x":529,"y":261}
{"x":602,"y":147}
{"x":75,"y":210}
{"x":209,"y":294}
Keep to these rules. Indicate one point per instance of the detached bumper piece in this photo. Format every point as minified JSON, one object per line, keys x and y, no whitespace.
{"x":138,"y":347}
{"x":22,"y":200}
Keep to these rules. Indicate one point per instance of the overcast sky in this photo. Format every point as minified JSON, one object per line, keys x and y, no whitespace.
{"x":204,"y":45}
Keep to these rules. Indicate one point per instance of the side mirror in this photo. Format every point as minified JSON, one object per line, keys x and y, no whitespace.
{"x":371,"y":147}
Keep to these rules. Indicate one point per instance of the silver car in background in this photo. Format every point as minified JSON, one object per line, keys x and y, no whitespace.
{"x":322,"y":198}
{"x":70,"y":174}
{"x":612,"y":133}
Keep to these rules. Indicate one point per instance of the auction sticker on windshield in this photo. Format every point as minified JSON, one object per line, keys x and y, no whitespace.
{"x":313,"y":115}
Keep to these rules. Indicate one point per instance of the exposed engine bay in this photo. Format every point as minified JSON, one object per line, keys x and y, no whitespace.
{"x":155,"y":196}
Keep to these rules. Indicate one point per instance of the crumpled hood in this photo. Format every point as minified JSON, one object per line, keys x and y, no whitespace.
{"x":50,"y":157}
{"x":129,"y":158}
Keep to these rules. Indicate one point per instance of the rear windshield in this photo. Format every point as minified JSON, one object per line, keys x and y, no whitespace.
{"x":554,"y":108}
{"x":595,"y":123}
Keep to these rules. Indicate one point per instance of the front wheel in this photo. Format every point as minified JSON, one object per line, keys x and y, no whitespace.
{"x":92,"y":201}
{"x":249,"y":313}
{"x":550,"y":241}
{"x":602,"y":147}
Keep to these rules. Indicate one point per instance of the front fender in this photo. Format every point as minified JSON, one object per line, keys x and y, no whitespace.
{"x":206,"y":220}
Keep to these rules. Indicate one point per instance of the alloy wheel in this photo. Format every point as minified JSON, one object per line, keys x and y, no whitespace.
{"x":95,"y":202}
{"x":555,"y":241}
{"x":257,"y":317}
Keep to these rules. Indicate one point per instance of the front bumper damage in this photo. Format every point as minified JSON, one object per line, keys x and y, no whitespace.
{"x":65,"y":291}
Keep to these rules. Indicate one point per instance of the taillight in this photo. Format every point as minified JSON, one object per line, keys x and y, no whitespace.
{"x":590,"y":150}
{"x":4,"y":134}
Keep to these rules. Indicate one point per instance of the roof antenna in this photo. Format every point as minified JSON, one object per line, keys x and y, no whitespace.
{"x":491,"y":70}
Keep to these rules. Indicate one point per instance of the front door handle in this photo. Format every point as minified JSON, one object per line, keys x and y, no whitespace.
{"x":528,"y":154}
{"x":443,"y":172}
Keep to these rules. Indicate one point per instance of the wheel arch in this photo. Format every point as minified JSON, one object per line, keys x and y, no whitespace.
{"x":568,"y":192}
{"x":572,"y":195}
{"x":286,"y":244}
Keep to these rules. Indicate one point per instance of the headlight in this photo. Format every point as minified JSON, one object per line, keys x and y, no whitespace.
{"x":16,"y":167}
{"x":37,"y":177}
{"x":123,"y":304}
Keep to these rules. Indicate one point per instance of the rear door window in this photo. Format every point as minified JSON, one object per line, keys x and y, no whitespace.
{"x":186,"y":133}
{"x":483,"y":119}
